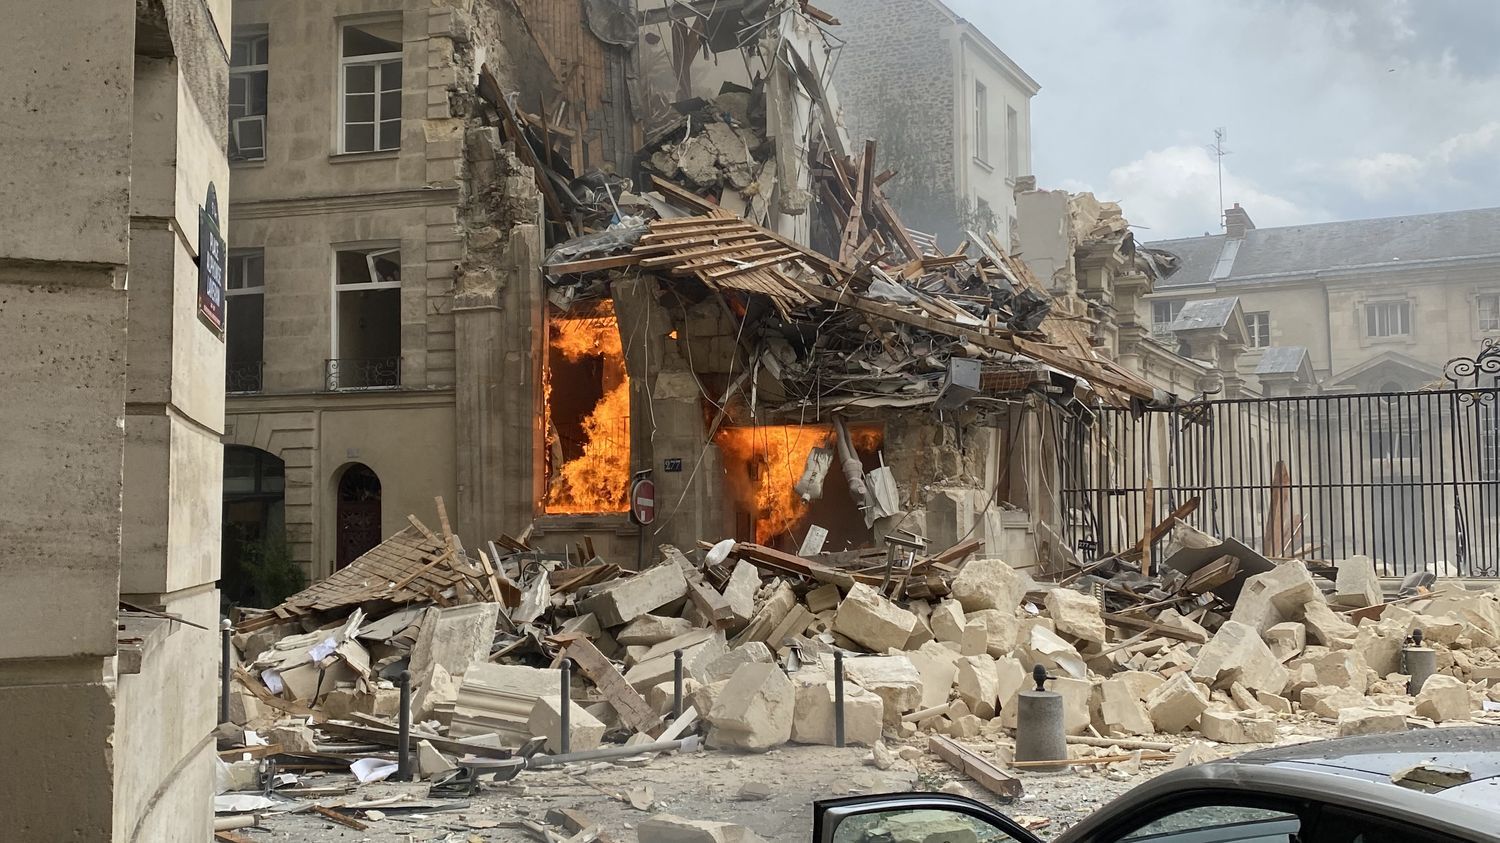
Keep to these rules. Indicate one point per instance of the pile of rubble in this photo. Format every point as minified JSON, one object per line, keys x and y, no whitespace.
{"x":760,"y":634}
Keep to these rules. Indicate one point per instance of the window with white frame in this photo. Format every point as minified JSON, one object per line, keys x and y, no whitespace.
{"x":366,"y":318}
{"x":244,"y":320}
{"x":1487,"y":306}
{"x":1163,"y":313}
{"x":981,"y":123}
{"x":1388,"y":319}
{"x":370,"y":86}
{"x":249,"y":62}
{"x":1258,"y":328}
{"x":1012,"y":143}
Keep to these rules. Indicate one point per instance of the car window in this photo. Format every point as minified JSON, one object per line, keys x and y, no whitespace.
{"x":1221,"y":824}
{"x":1338,"y":825}
{"x":918,"y":826}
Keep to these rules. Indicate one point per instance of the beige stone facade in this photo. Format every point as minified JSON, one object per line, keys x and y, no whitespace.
{"x":112,"y":417}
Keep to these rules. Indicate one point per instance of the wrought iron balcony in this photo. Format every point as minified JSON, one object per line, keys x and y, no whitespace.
{"x":353,"y":373}
{"x":244,"y":377}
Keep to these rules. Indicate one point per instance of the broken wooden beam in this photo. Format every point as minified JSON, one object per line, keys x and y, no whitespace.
{"x":971,"y":764}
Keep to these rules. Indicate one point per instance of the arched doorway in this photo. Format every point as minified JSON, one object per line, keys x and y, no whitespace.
{"x":256,"y":567}
{"x":358,"y":516}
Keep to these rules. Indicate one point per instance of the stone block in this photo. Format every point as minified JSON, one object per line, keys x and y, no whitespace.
{"x":1236,"y":653}
{"x":440,"y":689}
{"x":988,"y":584}
{"x":1275,"y":596}
{"x":1286,"y":640}
{"x":1343,"y":668}
{"x":1013,"y":678}
{"x":1370,"y":721}
{"x":585,"y":731}
{"x":739,"y":593}
{"x":978,"y":683}
{"x":1379,"y":644}
{"x":1174,"y":619}
{"x":1327,"y":701}
{"x":293,"y":737}
{"x":1051,"y":651}
{"x":702,"y":697}
{"x":976,"y":640}
{"x":755,"y":709}
{"x":938,"y":666}
{"x":873,"y":622}
{"x":1122,"y":711}
{"x":724,"y":666}
{"x":430,"y":762}
{"x":1357,"y":585}
{"x":626,"y":599}
{"x":892,"y":678}
{"x":1141,"y":682}
{"x":1077,"y":694}
{"x":1445,"y":630}
{"x":648,"y":630}
{"x":925,"y":827}
{"x":1177,"y":704}
{"x":453,"y":638}
{"x":1234,"y":727}
{"x":1274,"y":702}
{"x":1075,"y":614}
{"x":1325,"y":626}
{"x":1244,"y":698}
{"x":1001,"y":630}
{"x":665,"y":828}
{"x":947,"y":621}
{"x":822,"y":598}
{"x":813,"y":712}
{"x":1444,"y":698}
{"x":700,"y":648}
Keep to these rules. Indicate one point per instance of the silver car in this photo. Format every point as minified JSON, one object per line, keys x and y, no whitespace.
{"x":1429,"y":786}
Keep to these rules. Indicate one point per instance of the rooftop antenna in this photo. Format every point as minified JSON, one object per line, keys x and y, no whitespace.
{"x":1220,"y":134}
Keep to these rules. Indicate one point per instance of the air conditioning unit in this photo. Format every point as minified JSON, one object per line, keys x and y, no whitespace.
{"x":249,"y":135}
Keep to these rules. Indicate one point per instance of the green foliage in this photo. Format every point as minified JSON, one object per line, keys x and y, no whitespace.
{"x":259,"y":573}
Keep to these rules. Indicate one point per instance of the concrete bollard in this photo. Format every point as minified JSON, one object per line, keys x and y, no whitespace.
{"x":226,"y":668}
{"x":565,"y":709}
{"x":1418,"y":662}
{"x":1040,"y":735}
{"x":676,"y":684}
{"x":838,"y":698}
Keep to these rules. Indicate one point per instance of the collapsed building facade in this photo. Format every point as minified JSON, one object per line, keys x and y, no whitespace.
{"x":471,"y":289}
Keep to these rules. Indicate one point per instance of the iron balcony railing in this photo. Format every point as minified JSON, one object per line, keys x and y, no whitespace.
{"x":244,"y":377}
{"x":350,"y":373}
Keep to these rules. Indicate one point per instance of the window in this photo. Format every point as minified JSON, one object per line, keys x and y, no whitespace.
{"x":370,"y":86}
{"x":1388,"y":319}
{"x":248,"y":61}
{"x":1012,"y":144}
{"x":981,"y":123}
{"x":1258,"y":328}
{"x":1224,"y":823}
{"x":1163,"y":313}
{"x":244,"y":328}
{"x":1488,"y":307}
{"x":366,"y":319}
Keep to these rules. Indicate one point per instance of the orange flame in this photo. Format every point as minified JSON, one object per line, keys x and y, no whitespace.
{"x":598,"y":479}
{"x":775,"y":456}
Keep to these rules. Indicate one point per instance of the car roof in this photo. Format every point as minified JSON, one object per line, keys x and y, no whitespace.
{"x":1474,"y":749}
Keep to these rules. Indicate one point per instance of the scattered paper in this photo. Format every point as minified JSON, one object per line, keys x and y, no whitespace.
{"x":272,"y":679}
{"x":253,"y":738}
{"x":372,"y":770}
{"x":322,"y":651}
{"x":1491,"y":705}
{"x":285,"y":779}
{"x":238,"y":803}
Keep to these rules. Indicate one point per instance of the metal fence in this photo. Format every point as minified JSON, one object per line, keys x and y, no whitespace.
{"x":1410,"y":479}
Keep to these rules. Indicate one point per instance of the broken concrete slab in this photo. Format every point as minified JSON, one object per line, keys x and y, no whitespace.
{"x":1370,"y":721}
{"x":585,"y":731}
{"x":1075,"y":614}
{"x":1274,"y":702}
{"x":1236,"y":727}
{"x":892,"y":678}
{"x":700,"y":648}
{"x":1048,"y":649}
{"x":1001,"y":630}
{"x":724,"y":666}
{"x":1177,"y":704}
{"x":813,"y":718}
{"x":1343,"y":668}
{"x":1325,"y":626}
{"x":1286,"y":640}
{"x":872,"y":621}
{"x":1122,"y":711}
{"x":739,"y":592}
{"x":1077,"y":695}
{"x":1236,"y":653}
{"x":665,"y":828}
{"x":1357,"y":585}
{"x":623,"y":600}
{"x":988,"y":584}
{"x":754,"y":711}
{"x":822,"y":598}
{"x":938,"y":666}
{"x":978,"y":684}
{"x":431,"y":762}
{"x":947,"y":621}
{"x":454,"y":637}
{"x":1172,"y":619}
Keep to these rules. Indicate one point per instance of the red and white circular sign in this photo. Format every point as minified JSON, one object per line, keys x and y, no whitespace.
{"x":643,"y":501}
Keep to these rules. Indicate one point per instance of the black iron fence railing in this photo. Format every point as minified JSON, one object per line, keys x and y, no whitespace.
{"x":244,"y":377}
{"x":347,"y":373}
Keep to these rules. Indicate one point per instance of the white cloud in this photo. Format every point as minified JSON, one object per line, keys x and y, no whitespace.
{"x":1384,"y":174}
{"x":1174,"y":192}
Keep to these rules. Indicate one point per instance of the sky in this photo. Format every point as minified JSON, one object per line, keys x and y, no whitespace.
{"x":1333,"y":109}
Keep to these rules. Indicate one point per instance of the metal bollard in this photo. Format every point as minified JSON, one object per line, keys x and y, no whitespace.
{"x":403,"y":730}
{"x":676,"y":684}
{"x":565,"y":716}
{"x":225,"y":669}
{"x":838,"y":698}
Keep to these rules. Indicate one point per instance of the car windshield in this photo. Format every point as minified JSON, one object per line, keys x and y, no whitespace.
{"x":1216,"y":823}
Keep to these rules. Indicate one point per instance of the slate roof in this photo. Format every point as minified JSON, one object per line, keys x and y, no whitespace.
{"x":1300,"y":249}
{"x":1281,"y":360}
{"x":1204,"y":313}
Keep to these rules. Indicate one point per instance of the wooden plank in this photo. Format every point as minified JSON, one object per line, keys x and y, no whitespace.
{"x":626,"y":701}
{"x":1146,"y":755}
{"x":971,"y":764}
{"x":1153,"y":627}
{"x":771,"y":258}
{"x":1150,"y":518}
{"x":860,"y":206}
{"x":388,"y":737}
{"x":340,"y":818}
{"x":523,"y":148}
{"x":592,"y":264}
{"x":250,"y":752}
{"x":1212,"y":575}
{"x":754,"y":248}
{"x":954,"y":553}
{"x":785,"y":563}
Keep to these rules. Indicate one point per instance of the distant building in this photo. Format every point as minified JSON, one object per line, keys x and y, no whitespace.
{"x":1379,"y":305}
{"x":949,"y":111}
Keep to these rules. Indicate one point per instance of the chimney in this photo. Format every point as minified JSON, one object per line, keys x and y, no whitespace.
{"x":1237,"y":222}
